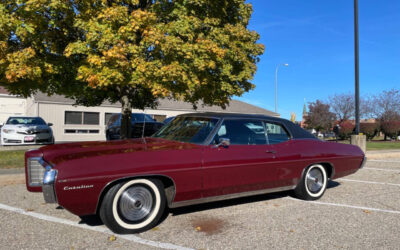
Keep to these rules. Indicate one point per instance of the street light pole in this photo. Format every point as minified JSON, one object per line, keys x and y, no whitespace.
{"x":276,"y":85}
{"x":356,"y":69}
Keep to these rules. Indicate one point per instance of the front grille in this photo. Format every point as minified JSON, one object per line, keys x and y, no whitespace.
{"x":35,"y":171}
{"x":30,"y":132}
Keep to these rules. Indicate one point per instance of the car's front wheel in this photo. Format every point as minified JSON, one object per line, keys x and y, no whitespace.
{"x":133,"y":206}
{"x":313,"y":183}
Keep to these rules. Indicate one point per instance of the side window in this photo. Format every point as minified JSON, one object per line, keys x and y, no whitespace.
{"x":242,"y":132}
{"x":276,"y":133}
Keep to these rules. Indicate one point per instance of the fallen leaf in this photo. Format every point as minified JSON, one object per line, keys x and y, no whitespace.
{"x":112,"y":238}
{"x":276,"y":205}
{"x":291,"y":230}
{"x":155,"y":229}
{"x":198,"y":229}
{"x":30,"y":209}
{"x":367,"y":211}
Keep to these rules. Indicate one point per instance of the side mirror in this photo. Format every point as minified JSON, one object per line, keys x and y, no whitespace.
{"x":224,"y":142}
{"x":49,"y":124}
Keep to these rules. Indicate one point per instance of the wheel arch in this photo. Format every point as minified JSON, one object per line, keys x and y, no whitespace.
{"x":329,"y":167}
{"x":168,"y":182}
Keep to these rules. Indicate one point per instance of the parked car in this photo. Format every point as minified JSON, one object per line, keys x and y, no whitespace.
{"x":169,"y":119}
{"x":196,"y":158}
{"x":21,"y":130}
{"x":138,"y":120}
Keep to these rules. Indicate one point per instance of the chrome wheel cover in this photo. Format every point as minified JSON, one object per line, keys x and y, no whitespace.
{"x":314,"y":180}
{"x":136,"y":203}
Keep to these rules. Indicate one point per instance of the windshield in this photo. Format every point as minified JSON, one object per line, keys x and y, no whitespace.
{"x":25,"y":121}
{"x":187,"y":129}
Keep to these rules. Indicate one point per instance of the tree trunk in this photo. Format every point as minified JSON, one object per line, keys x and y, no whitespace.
{"x":126,"y":113}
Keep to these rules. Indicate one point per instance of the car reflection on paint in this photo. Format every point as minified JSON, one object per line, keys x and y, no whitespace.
{"x":195,"y":158}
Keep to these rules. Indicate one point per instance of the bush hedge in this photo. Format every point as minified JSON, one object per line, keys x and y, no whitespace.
{"x":345,"y":130}
{"x":390,"y":128}
{"x":369,"y":129}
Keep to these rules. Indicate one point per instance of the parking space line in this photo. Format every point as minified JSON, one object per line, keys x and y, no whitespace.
{"x":370,"y":182}
{"x":382,"y":161}
{"x":100,"y":229}
{"x":383,"y":169}
{"x":347,"y":206}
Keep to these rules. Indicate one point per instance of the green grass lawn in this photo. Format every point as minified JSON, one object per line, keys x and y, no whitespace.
{"x":12,"y":159}
{"x":382,"y":145}
{"x":379,"y":144}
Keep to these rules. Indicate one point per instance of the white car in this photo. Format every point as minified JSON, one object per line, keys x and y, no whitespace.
{"x":20,"y":130}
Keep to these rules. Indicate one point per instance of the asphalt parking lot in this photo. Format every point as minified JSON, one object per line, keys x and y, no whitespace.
{"x":361,"y":211}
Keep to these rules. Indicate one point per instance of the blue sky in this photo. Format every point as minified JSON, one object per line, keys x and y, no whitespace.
{"x":316,"y":39}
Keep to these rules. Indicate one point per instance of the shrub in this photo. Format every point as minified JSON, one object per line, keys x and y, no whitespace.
{"x":369,"y":129}
{"x":346,"y":129}
{"x":390,"y":128}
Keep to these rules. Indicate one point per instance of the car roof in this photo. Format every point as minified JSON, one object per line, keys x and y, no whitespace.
{"x":295,"y":130}
{"x":235,"y":115}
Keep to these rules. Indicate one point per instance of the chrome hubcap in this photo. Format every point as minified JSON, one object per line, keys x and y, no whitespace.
{"x":315,"y":180}
{"x":135,"y":203}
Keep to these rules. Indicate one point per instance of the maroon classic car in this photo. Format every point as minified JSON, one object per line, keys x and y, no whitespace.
{"x":196,"y":158}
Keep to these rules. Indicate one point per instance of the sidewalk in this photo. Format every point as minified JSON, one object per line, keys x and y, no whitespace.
{"x":381,"y":154}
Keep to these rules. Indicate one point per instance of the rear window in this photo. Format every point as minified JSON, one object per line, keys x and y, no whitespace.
{"x":142,"y":117}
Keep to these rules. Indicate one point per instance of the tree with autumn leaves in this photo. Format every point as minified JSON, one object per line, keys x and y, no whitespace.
{"x":132,"y":51}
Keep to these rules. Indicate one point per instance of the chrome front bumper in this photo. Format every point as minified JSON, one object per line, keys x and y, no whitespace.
{"x":49,"y":179}
{"x":363,"y":162}
{"x":49,"y":194}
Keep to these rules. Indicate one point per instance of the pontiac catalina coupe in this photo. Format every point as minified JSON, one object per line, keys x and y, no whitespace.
{"x":196,"y":158}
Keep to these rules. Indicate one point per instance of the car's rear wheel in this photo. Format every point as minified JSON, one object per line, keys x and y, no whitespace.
{"x":313,"y":183}
{"x":133,"y":206}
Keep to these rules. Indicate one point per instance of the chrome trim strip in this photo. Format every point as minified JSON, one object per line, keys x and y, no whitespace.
{"x":229,"y":196}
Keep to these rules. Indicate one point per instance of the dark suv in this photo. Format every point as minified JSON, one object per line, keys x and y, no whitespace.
{"x":137,"y":121}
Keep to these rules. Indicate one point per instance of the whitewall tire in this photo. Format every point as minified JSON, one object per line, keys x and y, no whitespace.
{"x":133,"y":206}
{"x":313,"y":183}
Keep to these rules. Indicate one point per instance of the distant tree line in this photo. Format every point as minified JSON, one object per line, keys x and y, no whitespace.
{"x":339,"y":110}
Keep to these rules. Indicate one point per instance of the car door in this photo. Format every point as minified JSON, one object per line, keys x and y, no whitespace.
{"x":247,"y":164}
{"x":288,"y":161}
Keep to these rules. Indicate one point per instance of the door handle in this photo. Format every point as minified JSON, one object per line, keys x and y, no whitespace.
{"x":270,"y":151}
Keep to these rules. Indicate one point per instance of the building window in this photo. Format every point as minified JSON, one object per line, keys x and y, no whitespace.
{"x":81,"y":131}
{"x":107,"y":117}
{"x":82,"y":118}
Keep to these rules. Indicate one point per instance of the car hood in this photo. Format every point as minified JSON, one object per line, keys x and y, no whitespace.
{"x":26,"y":128}
{"x":58,"y":153}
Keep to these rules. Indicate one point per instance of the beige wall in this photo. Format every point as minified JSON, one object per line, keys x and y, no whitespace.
{"x":10,"y":106}
{"x":55,"y":113}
